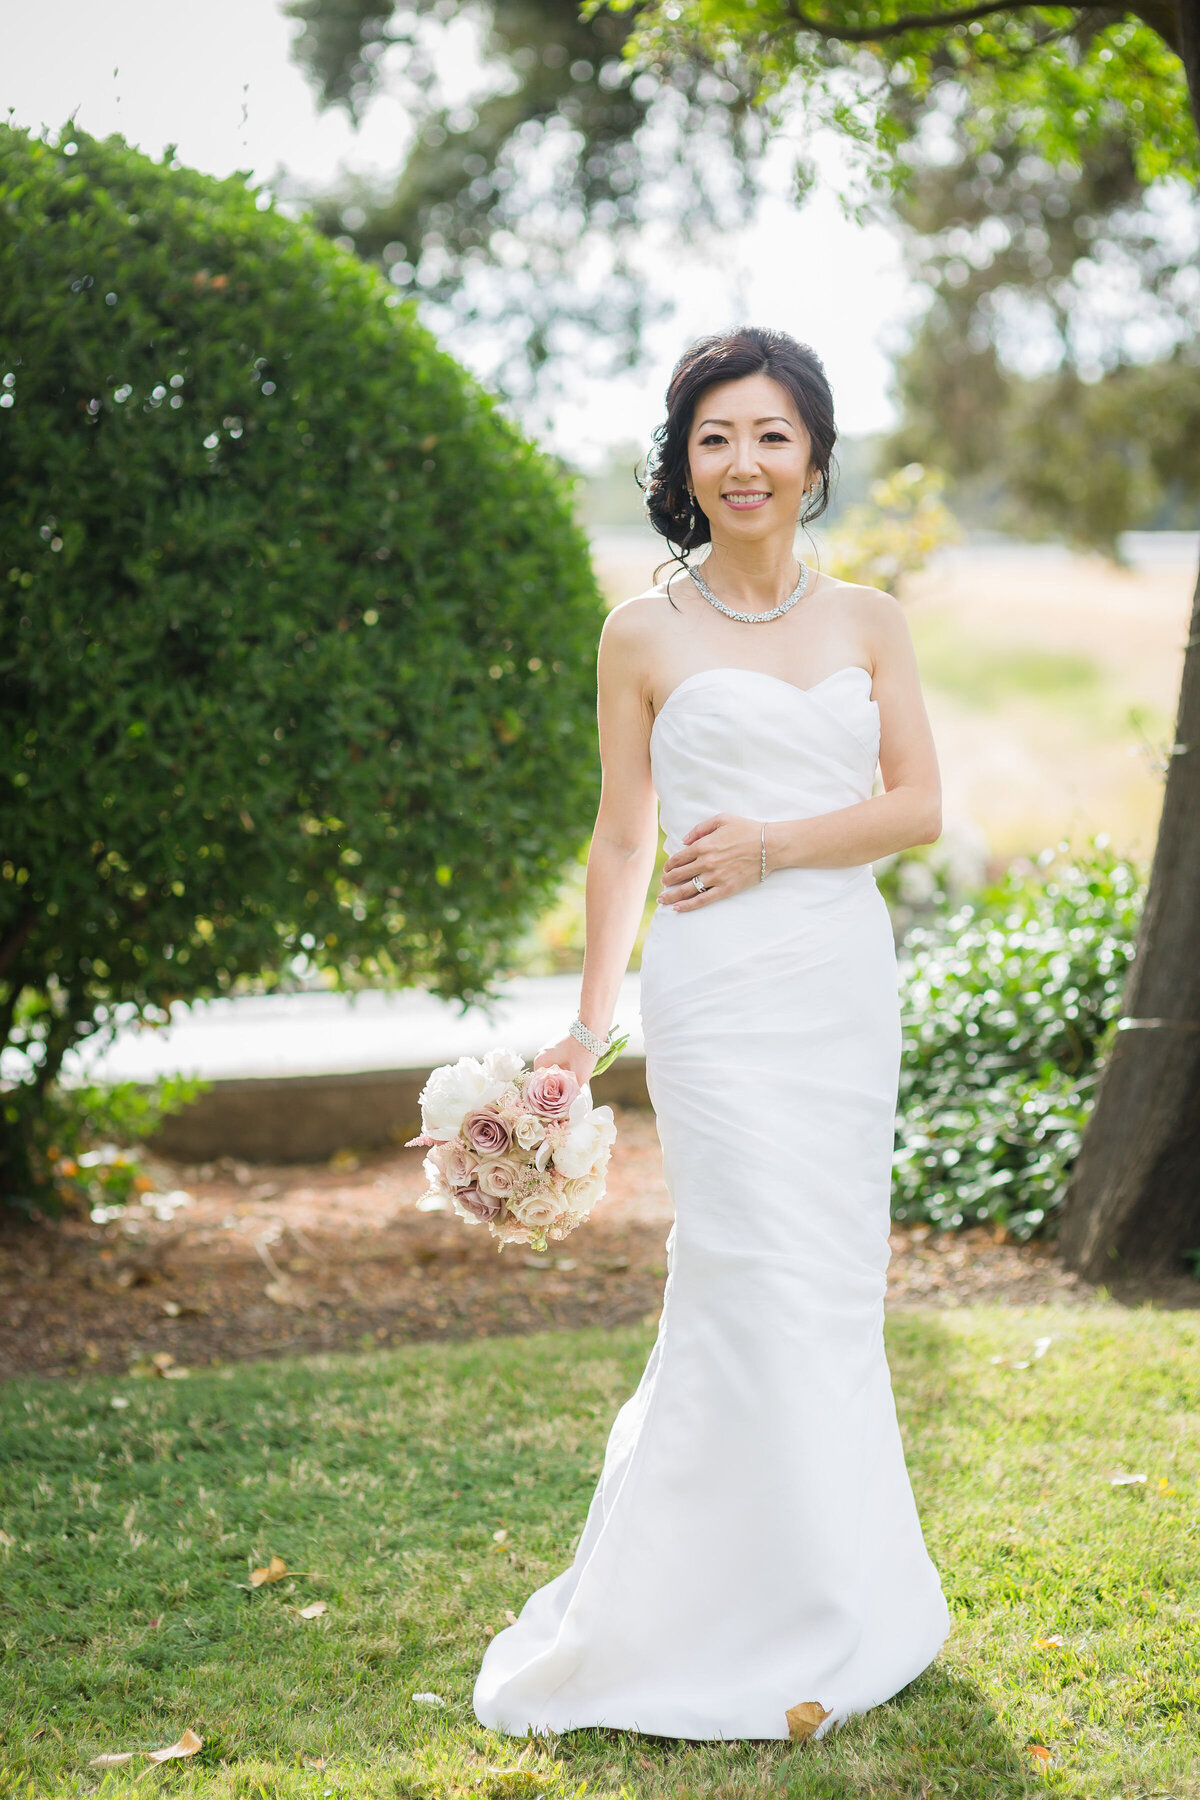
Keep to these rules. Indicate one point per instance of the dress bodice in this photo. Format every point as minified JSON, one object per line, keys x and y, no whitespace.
{"x":740,"y":741}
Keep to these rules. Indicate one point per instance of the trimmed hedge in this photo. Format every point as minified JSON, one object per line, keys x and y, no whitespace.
{"x":297,"y":632}
{"x":1008,"y":1008}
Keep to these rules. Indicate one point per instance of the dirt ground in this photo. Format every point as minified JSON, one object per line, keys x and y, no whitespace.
{"x":260,"y":1262}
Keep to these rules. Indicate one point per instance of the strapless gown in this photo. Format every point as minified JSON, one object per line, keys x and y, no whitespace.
{"x":753,"y":1542}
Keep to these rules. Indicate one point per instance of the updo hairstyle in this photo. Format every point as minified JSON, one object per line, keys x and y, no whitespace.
{"x":728,"y":356}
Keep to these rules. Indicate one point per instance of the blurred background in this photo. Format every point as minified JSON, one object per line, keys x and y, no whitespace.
{"x":568,"y":227}
{"x":996,"y":260}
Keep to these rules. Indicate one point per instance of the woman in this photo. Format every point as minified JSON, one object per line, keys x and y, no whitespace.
{"x":752,"y":1560}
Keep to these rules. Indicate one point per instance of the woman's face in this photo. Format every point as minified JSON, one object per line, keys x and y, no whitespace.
{"x":749,"y":458}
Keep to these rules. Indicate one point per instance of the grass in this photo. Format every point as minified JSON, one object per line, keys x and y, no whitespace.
{"x":130,"y":1531}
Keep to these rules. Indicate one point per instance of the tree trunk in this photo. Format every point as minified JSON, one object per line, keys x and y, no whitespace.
{"x":1133,"y":1203}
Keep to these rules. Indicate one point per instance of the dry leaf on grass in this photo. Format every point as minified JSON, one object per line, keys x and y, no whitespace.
{"x":1125,"y":1480}
{"x":286,"y":1292}
{"x":314,"y":1762}
{"x":188,"y":1745}
{"x":1039,"y":1751}
{"x":804,"y":1719}
{"x":161,"y":1363}
{"x":510,"y":1615}
{"x":112,"y":1759}
{"x":275,"y":1570}
{"x":428,"y":1700}
{"x":315,"y":1611}
{"x":1048,"y":1643}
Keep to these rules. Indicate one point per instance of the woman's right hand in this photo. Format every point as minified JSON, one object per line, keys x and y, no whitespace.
{"x":568,"y":1053}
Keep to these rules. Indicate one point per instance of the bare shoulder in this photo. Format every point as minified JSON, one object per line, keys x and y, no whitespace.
{"x":632,"y":628}
{"x":875,"y":614}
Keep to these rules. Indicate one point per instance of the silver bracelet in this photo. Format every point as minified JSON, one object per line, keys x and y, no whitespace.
{"x":583,"y":1035}
{"x":763,"y":873}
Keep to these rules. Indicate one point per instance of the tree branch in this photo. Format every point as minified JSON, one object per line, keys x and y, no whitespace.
{"x":886,"y":28}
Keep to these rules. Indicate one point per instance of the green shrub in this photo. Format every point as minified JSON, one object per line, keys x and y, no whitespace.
{"x":297,"y":633}
{"x":1007,"y":1010}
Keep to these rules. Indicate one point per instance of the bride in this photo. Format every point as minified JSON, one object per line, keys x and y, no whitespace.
{"x":752,"y":1564}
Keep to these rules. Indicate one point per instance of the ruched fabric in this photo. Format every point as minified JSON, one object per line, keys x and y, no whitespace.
{"x":753,"y":1542}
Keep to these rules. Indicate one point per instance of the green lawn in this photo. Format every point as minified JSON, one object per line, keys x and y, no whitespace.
{"x":128,"y":1531}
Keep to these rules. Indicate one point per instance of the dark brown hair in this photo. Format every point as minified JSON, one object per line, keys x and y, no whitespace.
{"x":728,"y":356}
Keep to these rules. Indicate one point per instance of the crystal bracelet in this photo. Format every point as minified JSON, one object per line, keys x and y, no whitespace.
{"x":583,"y":1035}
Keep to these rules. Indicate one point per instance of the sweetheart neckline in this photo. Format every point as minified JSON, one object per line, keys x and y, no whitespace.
{"x":762,"y":675}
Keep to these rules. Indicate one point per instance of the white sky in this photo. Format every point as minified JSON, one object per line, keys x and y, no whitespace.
{"x":218,"y":81}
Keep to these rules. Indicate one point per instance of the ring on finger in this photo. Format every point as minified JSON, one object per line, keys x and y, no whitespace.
{"x":698,"y":884}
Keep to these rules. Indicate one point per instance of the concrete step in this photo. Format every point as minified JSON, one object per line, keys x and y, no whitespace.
{"x":296,"y":1077}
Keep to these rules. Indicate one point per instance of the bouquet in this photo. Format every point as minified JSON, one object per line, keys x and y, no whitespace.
{"x":522,"y":1151}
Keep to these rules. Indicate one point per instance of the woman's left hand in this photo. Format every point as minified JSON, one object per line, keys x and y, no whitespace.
{"x":724,"y":851}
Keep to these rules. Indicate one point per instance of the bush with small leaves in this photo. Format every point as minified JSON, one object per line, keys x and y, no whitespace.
{"x":1007,"y":1009}
{"x":297,"y":632}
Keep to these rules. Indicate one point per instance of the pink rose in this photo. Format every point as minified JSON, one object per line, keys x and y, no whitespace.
{"x":549,"y":1092}
{"x":475,"y":1205}
{"x":457,"y":1163}
{"x":486,"y":1134}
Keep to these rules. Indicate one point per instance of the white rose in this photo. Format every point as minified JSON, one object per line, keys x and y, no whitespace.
{"x":503,"y":1066}
{"x":537,"y":1210}
{"x":497,"y":1178}
{"x":435,"y":1173}
{"x":529,"y":1131}
{"x":456,"y":1089}
{"x":591,"y":1133}
{"x":582,"y":1192}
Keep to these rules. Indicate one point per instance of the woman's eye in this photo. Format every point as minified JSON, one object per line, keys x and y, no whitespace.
{"x":774,"y":437}
{"x":714,"y":437}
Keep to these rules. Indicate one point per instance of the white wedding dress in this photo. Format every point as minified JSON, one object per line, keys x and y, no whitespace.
{"x":753,"y":1543}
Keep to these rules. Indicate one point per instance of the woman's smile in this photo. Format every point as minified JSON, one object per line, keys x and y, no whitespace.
{"x":748,"y":501}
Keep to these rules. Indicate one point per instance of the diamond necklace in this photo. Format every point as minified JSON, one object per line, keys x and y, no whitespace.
{"x":752,"y":618}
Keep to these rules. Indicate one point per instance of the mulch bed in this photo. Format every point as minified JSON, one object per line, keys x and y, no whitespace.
{"x":270,"y":1261}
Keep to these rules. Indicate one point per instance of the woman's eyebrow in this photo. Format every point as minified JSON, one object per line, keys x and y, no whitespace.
{"x":772,"y":419}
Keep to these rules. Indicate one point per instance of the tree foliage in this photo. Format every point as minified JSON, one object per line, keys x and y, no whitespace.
{"x":297,"y":632}
{"x":1060,"y":80}
{"x":1076,"y":270}
{"x":519,"y":210}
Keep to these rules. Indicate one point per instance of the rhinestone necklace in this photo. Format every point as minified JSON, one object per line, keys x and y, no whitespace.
{"x":752,"y":618}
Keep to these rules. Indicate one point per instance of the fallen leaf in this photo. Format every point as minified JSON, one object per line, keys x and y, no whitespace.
{"x":804,"y":1719}
{"x":499,"y":1537}
{"x":275,"y":1570}
{"x":111,"y":1760}
{"x":1125,"y":1480}
{"x":1048,"y":1643}
{"x":40,"y":1732}
{"x":286,"y":1292}
{"x":188,"y":1745}
{"x":1040,"y":1751}
{"x":428,"y":1700}
{"x":172,"y":1308}
{"x":314,"y":1762}
{"x":162,"y":1359}
{"x":314,"y":1611}
{"x":1164,"y":1486}
{"x":510,"y":1615}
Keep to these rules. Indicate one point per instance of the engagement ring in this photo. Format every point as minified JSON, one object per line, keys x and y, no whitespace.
{"x":697,"y":884}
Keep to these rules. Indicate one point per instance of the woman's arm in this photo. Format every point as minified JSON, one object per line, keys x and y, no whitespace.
{"x":624,"y":841}
{"x":725,"y":851}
